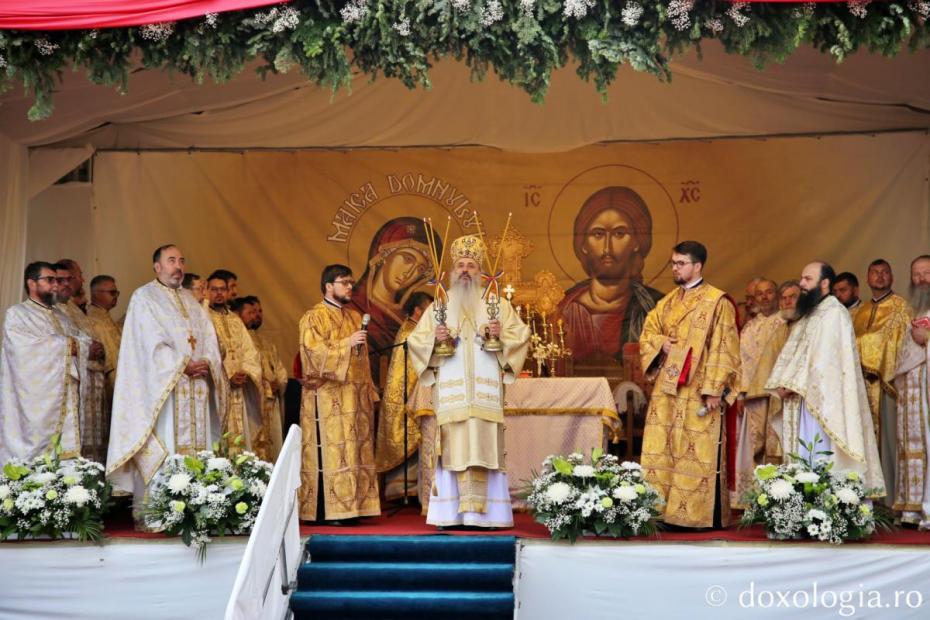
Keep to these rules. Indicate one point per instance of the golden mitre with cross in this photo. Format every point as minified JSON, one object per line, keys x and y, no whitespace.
{"x":469,"y":246}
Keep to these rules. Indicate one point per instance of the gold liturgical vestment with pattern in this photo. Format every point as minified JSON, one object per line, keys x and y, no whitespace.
{"x":880,"y":327}
{"x":243,"y":415}
{"x":336,"y":415}
{"x":268,"y":440}
{"x":682,"y":451}
{"x":389,"y":446}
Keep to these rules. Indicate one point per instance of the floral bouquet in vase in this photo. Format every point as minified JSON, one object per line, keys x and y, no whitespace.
{"x":808,"y":499}
{"x":197,"y":496}
{"x":50,"y":498}
{"x":606,"y":497}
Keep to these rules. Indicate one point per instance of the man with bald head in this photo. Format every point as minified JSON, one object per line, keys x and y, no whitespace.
{"x":170,"y":383}
{"x":612,"y":238}
{"x":817,"y":376}
{"x":912,"y":487}
{"x":758,"y":442}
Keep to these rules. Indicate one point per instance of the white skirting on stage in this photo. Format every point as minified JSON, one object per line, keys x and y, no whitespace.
{"x":444,"y":507}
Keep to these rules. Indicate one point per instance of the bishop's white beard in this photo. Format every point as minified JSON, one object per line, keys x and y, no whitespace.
{"x":465,"y":302}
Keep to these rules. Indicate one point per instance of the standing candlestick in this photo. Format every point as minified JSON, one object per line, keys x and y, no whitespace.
{"x":492,"y":343}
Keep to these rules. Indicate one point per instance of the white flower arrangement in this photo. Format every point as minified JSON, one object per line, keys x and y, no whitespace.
{"x":203,"y":495}
{"x":806,"y":498}
{"x":605,"y":497}
{"x":46,"y":497}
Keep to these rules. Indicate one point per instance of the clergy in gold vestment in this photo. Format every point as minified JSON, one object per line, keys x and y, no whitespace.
{"x":470,"y":483}
{"x":912,"y":488}
{"x":243,"y":366}
{"x":103,"y":298}
{"x":337,"y":407}
{"x":392,"y":421}
{"x":690,"y":348}
{"x":757,"y":439}
{"x":880,"y":324}
{"x":95,"y":413}
{"x":43,"y":367}
{"x":170,"y":384}
{"x":268,"y":439}
{"x":818,"y":379}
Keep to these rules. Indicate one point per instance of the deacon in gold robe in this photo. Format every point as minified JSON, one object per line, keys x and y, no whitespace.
{"x":912,"y":488}
{"x":268,"y":439}
{"x":690,"y":349}
{"x":392,"y":421}
{"x":103,"y":298}
{"x":170,"y":384}
{"x":43,"y":368}
{"x":758,"y":442}
{"x":95,"y":418}
{"x":338,"y":477}
{"x":818,"y":379}
{"x":880,"y":326}
{"x":470,"y":479}
{"x":243,"y":366}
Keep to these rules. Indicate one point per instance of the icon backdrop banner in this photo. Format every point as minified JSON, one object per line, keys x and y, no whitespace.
{"x":761,"y":206}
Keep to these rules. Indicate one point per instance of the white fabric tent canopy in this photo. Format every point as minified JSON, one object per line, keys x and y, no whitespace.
{"x":721,"y":96}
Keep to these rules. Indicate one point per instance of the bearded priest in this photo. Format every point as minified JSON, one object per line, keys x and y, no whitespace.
{"x":170,"y":383}
{"x":818,"y":379}
{"x":470,"y":481}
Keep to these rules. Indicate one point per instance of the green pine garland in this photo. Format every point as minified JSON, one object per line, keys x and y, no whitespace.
{"x":522,"y":41}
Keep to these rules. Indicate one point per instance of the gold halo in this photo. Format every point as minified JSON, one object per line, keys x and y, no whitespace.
{"x":386,"y":209}
{"x":579,"y":188}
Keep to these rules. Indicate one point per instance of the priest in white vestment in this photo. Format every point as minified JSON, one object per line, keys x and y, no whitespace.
{"x":818,"y":379}
{"x":170,"y":384}
{"x":43,"y":369}
{"x":912,"y":488}
{"x":471,"y":486}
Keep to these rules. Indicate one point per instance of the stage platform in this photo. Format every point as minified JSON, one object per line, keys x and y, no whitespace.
{"x":719,"y":574}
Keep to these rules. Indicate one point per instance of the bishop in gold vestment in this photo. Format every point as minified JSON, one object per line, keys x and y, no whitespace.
{"x":690,"y":348}
{"x":337,"y":409}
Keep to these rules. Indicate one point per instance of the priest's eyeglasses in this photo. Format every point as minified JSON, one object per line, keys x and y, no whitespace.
{"x":678,"y":264}
{"x":345,"y":282}
{"x":49,"y":279}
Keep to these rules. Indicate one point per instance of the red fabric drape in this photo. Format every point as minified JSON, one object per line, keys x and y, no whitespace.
{"x":87,"y":14}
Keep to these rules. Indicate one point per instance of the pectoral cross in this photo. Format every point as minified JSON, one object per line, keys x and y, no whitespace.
{"x":509,"y":290}
{"x":192,"y":341}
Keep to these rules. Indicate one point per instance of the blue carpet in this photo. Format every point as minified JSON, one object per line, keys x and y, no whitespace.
{"x":406,"y":577}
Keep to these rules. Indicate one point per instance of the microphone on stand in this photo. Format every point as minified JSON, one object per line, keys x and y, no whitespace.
{"x":366,"y":318}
